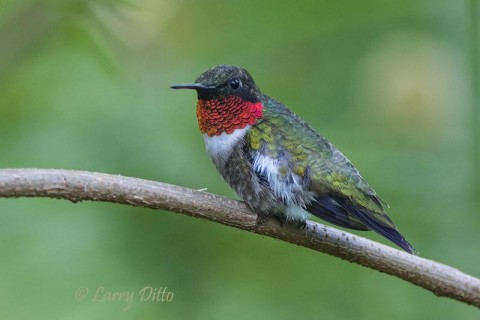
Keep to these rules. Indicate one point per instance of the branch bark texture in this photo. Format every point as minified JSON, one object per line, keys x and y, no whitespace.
{"x":76,"y":186}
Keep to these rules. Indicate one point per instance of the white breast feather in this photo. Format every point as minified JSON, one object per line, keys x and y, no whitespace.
{"x":285,"y":184}
{"x":220,"y":147}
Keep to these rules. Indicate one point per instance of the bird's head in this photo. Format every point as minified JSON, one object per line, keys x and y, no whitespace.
{"x":227,"y":99}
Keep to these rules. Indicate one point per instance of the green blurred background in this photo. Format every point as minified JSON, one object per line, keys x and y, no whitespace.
{"x":85,"y":85}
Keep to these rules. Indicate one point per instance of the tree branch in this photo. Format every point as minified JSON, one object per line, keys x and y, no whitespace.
{"x":76,"y":186}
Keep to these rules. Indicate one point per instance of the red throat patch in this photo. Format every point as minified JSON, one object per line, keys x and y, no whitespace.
{"x":226,"y":115}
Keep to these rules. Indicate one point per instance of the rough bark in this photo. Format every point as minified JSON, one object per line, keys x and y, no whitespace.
{"x":76,"y":186}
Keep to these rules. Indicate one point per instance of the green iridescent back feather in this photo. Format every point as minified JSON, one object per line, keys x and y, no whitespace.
{"x":330,"y":172}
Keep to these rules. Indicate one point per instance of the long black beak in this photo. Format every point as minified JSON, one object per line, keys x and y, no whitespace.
{"x":195,"y":86}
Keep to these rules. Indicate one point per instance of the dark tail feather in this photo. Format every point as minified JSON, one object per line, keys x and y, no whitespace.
{"x":391,"y":234}
{"x":329,"y":209}
{"x":337,"y":211}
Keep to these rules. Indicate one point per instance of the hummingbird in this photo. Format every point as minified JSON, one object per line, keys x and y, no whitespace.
{"x":278,"y":163}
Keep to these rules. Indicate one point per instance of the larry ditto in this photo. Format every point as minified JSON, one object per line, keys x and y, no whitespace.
{"x":146,"y":294}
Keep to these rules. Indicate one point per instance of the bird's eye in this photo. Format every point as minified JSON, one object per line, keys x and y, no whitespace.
{"x":234,"y":83}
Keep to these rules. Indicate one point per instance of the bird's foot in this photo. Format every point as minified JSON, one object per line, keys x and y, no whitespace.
{"x":302,"y":224}
{"x":279,"y":219}
{"x":299,"y":224}
{"x":263,"y":219}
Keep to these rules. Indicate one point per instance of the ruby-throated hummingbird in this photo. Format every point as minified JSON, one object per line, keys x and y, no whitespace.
{"x":276,"y":162}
